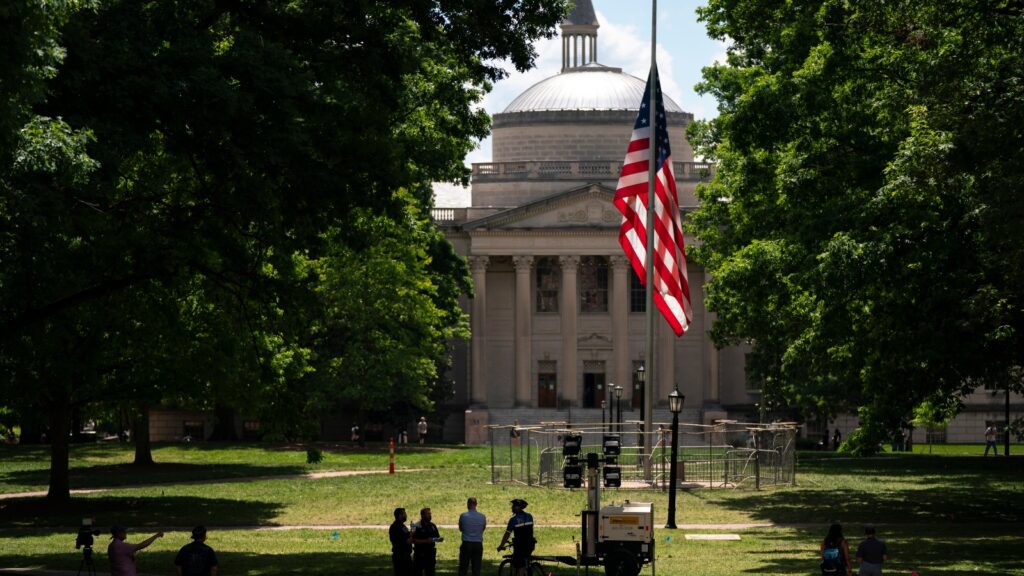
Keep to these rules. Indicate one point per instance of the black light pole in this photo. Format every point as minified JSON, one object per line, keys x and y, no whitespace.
{"x":603,"y":406}
{"x":675,"y":404}
{"x":641,"y":379}
{"x":618,"y":406}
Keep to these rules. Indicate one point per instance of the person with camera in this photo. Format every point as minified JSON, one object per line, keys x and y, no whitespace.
{"x":425,"y":538}
{"x":520,"y":527}
{"x":196,"y":558}
{"x":122,"y":554}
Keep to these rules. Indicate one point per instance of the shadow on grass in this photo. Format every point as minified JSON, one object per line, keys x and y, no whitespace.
{"x":34,"y":516}
{"x":935,"y":551}
{"x":112,"y":475}
{"x":897,"y":490}
{"x":333,"y":563}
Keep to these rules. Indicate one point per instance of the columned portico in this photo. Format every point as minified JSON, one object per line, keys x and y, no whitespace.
{"x":478,"y":266}
{"x":567,"y":373}
{"x":620,"y":321}
{"x":524,"y":330}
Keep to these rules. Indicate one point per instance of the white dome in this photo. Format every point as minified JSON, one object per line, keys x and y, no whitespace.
{"x":593,"y":87}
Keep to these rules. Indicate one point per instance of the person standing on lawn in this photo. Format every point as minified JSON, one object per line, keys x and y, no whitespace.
{"x":835,"y":553}
{"x":871,"y":553}
{"x":425,"y":538}
{"x":401,"y":544}
{"x":990,"y":440}
{"x":122,"y":554}
{"x":196,"y":559}
{"x":472,"y":525}
{"x":422,"y":429}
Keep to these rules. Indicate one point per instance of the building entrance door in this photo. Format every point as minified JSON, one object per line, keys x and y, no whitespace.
{"x":547,"y":391}
{"x":593,"y":389}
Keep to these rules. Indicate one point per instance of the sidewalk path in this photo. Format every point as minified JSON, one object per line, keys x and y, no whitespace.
{"x":240,"y":479}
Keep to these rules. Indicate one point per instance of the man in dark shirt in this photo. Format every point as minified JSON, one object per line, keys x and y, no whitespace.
{"x":196,"y":559}
{"x":425,"y":538}
{"x":871,"y":553}
{"x":520,"y":527}
{"x":401,"y":544}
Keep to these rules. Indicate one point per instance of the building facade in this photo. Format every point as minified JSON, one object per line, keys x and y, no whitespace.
{"x":558,"y":314}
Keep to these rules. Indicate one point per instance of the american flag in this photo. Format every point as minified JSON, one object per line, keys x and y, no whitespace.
{"x":671,"y":287}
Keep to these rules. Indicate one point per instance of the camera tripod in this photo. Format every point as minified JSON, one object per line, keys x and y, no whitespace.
{"x":86,"y":563}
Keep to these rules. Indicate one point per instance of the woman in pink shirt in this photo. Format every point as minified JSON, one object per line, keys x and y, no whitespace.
{"x":122,"y":554}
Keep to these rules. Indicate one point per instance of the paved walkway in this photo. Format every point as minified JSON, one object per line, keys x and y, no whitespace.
{"x":309,"y":476}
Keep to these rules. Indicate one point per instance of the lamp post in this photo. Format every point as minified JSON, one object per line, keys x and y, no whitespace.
{"x":618,"y":406}
{"x":641,"y":379}
{"x":675,"y":405}
{"x":603,"y":406}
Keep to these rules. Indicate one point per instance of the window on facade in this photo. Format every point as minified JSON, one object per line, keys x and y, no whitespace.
{"x":637,"y":293}
{"x":549,"y":282}
{"x":593,"y":284}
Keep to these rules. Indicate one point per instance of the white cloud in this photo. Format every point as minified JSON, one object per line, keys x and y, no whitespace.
{"x":624,"y":47}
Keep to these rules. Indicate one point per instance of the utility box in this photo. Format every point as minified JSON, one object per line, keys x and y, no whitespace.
{"x":629,"y":522}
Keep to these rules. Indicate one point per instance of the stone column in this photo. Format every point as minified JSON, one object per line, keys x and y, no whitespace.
{"x":620,"y":323}
{"x":478,"y":385}
{"x":524,"y":329}
{"x":567,"y":379}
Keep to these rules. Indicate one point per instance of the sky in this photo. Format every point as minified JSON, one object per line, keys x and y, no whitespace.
{"x":624,"y":41}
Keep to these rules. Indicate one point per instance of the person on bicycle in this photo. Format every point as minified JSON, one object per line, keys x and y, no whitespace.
{"x":520,"y":527}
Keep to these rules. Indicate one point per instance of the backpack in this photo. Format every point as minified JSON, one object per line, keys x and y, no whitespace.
{"x":831,"y":561}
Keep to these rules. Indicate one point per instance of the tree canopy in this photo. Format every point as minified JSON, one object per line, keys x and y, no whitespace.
{"x":863,"y":231}
{"x":193,"y":183}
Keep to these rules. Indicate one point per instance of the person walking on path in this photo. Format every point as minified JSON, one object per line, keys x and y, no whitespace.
{"x":520,"y":527}
{"x":196,"y":558}
{"x":871,"y":553}
{"x":122,"y":554}
{"x":837,"y":439}
{"x":835,"y":553}
{"x":425,"y":538}
{"x":990,"y":440}
{"x":422,"y":428}
{"x":472,"y":525}
{"x":401,"y":544}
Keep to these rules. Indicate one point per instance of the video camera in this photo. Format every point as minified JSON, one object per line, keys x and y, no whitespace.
{"x":85,"y":534}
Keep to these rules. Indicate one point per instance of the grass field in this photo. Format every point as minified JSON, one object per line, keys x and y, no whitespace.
{"x":942,"y":514}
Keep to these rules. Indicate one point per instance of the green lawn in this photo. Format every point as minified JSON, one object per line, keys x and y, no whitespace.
{"x":942,"y":514}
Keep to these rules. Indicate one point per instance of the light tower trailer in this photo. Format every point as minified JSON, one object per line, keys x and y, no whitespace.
{"x":618,"y":537}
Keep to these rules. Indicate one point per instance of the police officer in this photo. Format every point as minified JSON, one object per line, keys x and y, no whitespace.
{"x":425,"y":538}
{"x":520,"y":527}
{"x":401,"y":544}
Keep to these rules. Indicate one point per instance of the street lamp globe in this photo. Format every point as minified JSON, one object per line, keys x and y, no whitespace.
{"x":641,"y":374}
{"x":618,"y":392}
{"x":675,"y":401}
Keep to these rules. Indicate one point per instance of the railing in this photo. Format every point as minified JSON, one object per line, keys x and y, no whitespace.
{"x":577,"y":170}
{"x":448,"y":215}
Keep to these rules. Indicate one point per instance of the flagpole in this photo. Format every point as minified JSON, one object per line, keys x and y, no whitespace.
{"x":651,"y":368}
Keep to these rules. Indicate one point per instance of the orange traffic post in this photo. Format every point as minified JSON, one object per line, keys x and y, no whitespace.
{"x":391,"y":450}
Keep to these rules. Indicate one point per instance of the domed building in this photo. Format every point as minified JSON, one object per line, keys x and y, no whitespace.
{"x":558,"y":314}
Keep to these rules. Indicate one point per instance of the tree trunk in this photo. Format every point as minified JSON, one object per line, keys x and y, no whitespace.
{"x":143,"y":448}
{"x":60,"y":484}
{"x":224,"y":424}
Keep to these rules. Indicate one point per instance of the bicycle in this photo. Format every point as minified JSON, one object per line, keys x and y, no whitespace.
{"x":534,"y":568}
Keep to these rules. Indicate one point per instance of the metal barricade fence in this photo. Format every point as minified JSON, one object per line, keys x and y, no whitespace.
{"x":723,"y":455}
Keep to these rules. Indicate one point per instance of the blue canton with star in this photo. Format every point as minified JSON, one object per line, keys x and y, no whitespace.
{"x":660,"y":126}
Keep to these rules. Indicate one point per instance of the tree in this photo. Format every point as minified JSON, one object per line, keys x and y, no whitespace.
{"x":164,"y":144}
{"x":862,"y":230}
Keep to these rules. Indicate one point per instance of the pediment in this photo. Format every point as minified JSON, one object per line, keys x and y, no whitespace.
{"x":587,"y":206}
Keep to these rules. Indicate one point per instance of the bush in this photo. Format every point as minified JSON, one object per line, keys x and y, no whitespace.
{"x":314,"y":456}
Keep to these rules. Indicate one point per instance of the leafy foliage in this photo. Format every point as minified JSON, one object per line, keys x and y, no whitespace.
{"x":863,"y":229}
{"x":170,"y":172}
